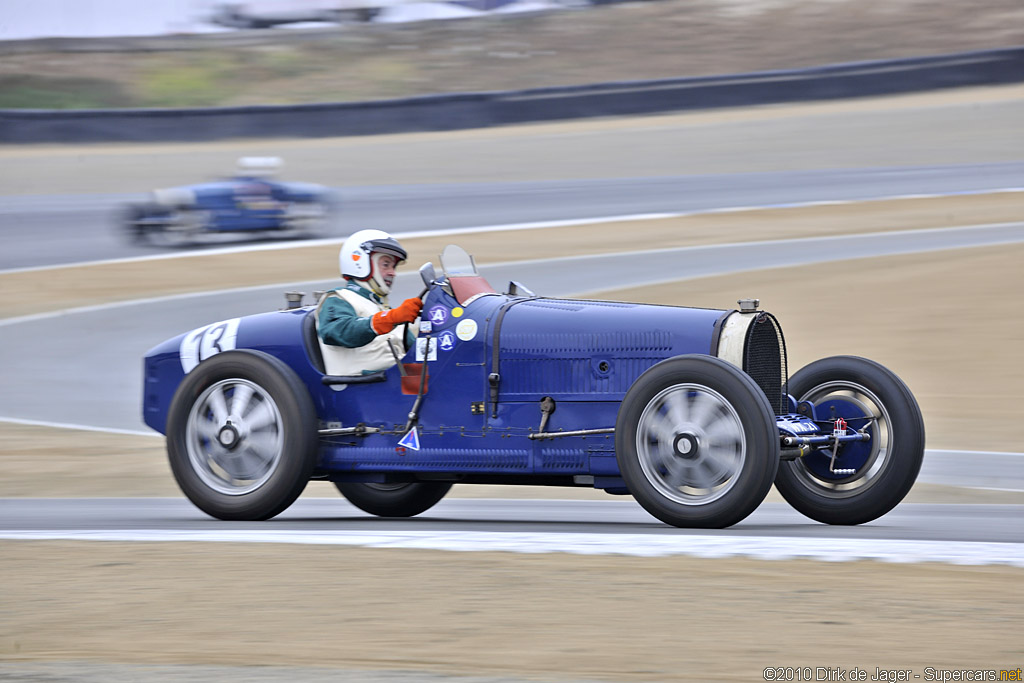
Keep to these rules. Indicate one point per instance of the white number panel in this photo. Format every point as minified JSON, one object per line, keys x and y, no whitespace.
{"x":203,"y":342}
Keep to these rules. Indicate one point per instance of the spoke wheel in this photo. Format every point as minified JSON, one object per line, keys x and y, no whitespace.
{"x":234,"y":437}
{"x":867,"y":395}
{"x":242,"y":436}
{"x":690,"y":444}
{"x":696,"y":442}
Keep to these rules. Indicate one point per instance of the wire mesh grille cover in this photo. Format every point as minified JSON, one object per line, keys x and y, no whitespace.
{"x":764,"y":359}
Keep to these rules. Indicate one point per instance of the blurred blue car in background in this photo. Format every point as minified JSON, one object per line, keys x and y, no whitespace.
{"x":249,"y":204}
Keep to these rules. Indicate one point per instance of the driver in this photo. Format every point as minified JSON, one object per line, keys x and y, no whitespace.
{"x":359,"y":332}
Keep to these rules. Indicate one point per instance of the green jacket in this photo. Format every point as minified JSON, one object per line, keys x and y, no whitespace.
{"x":339,"y":325}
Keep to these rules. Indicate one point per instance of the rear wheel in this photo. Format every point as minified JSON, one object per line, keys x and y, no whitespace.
{"x":242,"y":436}
{"x":868,"y":396}
{"x":696,"y":442}
{"x":394,"y":500}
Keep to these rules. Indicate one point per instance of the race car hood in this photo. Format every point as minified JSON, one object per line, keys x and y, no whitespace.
{"x":592,"y":348}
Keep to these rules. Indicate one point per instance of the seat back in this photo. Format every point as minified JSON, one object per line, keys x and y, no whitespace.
{"x":311,"y":342}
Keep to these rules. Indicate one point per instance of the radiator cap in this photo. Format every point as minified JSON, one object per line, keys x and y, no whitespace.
{"x":749,"y":305}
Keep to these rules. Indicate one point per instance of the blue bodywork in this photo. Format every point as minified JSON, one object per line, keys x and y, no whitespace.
{"x":496,"y":359}
{"x":249,"y":203}
{"x":239,"y":204}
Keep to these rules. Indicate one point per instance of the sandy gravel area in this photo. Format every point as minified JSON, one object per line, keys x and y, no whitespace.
{"x":547,"y":616}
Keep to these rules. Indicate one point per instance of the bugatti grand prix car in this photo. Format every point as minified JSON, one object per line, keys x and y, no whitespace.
{"x":689,"y":410}
{"x":249,"y":204}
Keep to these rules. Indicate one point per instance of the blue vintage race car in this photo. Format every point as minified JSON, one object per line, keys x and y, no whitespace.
{"x":689,"y":410}
{"x":251,"y":203}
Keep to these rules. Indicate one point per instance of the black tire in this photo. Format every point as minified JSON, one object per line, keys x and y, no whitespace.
{"x":185,"y":226}
{"x":885,"y":467}
{"x":394,"y":500}
{"x":131,"y":221}
{"x":242,"y":436}
{"x":696,"y":442}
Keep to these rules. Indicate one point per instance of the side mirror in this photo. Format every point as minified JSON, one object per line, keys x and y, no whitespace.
{"x":427,"y":274}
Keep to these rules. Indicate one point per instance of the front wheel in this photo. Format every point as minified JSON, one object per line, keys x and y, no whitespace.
{"x":133,"y":220}
{"x":394,"y":500}
{"x":874,"y":476}
{"x":696,"y":442}
{"x":242,"y":436}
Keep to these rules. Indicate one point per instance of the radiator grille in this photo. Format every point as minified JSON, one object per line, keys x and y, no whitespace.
{"x":764,"y":359}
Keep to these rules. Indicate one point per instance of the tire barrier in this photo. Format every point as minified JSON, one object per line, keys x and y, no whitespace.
{"x":483,"y":109}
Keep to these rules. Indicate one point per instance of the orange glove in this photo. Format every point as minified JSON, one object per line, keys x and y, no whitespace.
{"x":385,"y":321}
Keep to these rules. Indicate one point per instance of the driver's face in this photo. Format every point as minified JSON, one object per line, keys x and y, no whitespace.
{"x":387,"y":264}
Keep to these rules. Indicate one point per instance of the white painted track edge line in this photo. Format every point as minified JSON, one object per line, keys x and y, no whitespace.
{"x":141,"y":302}
{"x":652,"y":545}
{"x":79,"y":427}
{"x":536,"y":225}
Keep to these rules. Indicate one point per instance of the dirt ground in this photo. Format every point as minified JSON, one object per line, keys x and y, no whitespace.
{"x":632,"y":40}
{"x":560,"y":617}
{"x":524,"y":616}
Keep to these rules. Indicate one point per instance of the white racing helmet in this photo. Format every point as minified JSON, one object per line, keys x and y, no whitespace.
{"x":360,"y":253}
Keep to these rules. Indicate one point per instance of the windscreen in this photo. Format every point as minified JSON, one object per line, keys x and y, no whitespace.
{"x":456,"y":261}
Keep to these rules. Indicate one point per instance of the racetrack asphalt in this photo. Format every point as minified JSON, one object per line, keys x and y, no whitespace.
{"x":67,"y":229}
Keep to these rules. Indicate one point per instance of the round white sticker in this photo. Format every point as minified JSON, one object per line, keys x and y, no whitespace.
{"x":466,"y":329}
